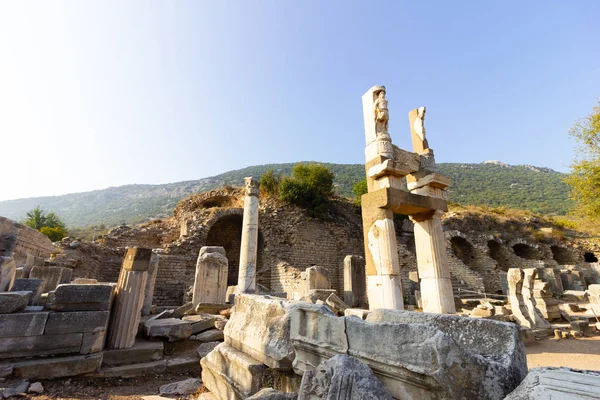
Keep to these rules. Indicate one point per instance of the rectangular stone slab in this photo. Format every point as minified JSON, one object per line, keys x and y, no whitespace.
{"x":13,"y":301}
{"x":29,"y":285}
{"x":59,"y":367}
{"x":40,"y":345}
{"x":77,"y":321}
{"x":22,"y":324}
{"x":142,"y":351}
{"x":130,"y":371}
{"x":95,"y":297}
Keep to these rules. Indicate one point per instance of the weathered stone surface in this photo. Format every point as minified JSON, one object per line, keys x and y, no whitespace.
{"x":13,"y":301}
{"x":356,"y":312}
{"x":317,"y":278}
{"x":22,"y":324}
{"x":201,"y":323}
{"x":6,"y":370}
{"x":8,"y":270}
{"x":52,"y":276}
{"x":169,"y":328}
{"x":207,"y":396}
{"x":78,"y":321}
{"x":316,"y":335}
{"x":455,"y":357}
{"x":29,"y":285}
{"x":260,"y":327}
{"x":272,"y":394}
{"x":336,"y":304}
{"x":129,"y":299}
{"x":558,"y":384}
{"x":93,"y":342}
{"x":210,"y":282}
{"x":220,"y":323}
{"x":89,"y":297}
{"x":231,"y":374}
{"x":184,"y":364}
{"x":150,"y":283}
{"x":187,"y":386}
{"x":58,"y":367}
{"x":24,"y":346}
{"x":342,"y":377}
{"x":133,"y":370}
{"x":141,"y":352}
{"x":211,"y":308}
{"x":211,"y":335}
{"x":180,"y":311}
{"x":19,"y":390}
{"x":581,"y":326}
{"x":36,"y":388}
{"x":84,"y":281}
{"x":355,"y":284}
{"x":137,"y":259}
{"x":249,"y":243}
{"x":206,"y":348}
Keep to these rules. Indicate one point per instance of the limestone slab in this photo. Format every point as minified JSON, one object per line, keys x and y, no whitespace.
{"x":211,"y":335}
{"x":29,"y":285}
{"x":169,"y":328}
{"x":58,"y":367}
{"x":22,"y":324}
{"x":52,"y":276}
{"x":211,"y":308}
{"x":200,"y":323}
{"x":40,"y":345}
{"x":77,"y":321}
{"x":559,"y":384}
{"x":13,"y":301}
{"x":141,"y":352}
{"x":88,"y":297}
{"x":133,"y":370}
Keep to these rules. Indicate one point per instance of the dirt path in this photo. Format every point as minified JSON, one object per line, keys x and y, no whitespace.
{"x":581,"y":353}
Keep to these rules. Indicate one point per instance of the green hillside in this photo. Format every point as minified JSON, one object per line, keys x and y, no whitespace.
{"x":540,"y":190}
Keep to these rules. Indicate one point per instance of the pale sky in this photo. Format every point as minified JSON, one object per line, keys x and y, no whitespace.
{"x":107,"y":93}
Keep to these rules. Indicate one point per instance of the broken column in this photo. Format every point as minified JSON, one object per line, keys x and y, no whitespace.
{"x":515,"y":298}
{"x":355,"y":286}
{"x":210,"y":284}
{"x":150,"y":282}
{"x":129,"y":298}
{"x":249,"y":245}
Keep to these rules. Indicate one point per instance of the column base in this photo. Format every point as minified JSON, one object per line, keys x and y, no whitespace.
{"x":437,"y":296}
{"x":385,"y":291}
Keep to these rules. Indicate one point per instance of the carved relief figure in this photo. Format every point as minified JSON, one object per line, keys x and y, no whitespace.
{"x":382,"y":115}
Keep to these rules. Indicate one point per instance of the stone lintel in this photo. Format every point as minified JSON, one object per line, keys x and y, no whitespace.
{"x":389,"y":167}
{"x":424,"y":178}
{"x":402,"y":202}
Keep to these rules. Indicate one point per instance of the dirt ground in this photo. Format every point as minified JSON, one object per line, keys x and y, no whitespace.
{"x":581,"y":353}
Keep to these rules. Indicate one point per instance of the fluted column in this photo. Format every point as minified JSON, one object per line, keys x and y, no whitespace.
{"x":432,"y":263}
{"x":249,"y":246}
{"x":129,"y":298}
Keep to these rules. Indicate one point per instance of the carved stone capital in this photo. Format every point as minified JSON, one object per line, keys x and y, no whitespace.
{"x":252,"y":186}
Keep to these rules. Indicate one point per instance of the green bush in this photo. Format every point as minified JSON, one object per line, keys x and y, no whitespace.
{"x":359,"y":188}
{"x":310,"y":186}
{"x":55,"y":234}
{"x":269,"y":183}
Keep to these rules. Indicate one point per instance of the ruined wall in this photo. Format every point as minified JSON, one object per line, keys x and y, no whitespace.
{"x":22,"y":240}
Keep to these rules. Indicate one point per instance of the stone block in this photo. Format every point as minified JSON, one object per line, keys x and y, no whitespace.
{"x":29,"y":285}
{"x":137,"y":259}
{"x":200,"y":323}
{"x":557,"y":383}
{"x":342,"y":377}
{"x":317,"y":278}
{"x":582,"y":326}
{"x":52,"y":276}
{"x":180,"y":311}
{"x":94,"y":297}
{"x":356,"y":312}
{"x":355,"y":284}
{"x":336,"y":304}
{"x":184,"y":364}
{"x":185,"y":387}
{"x":316,"y":335}
{"x":25,"y":346}
{"x":8,"y":271}
{"x":142,"y":351}
{"x":77,"y":321}
{"x":454,"y":357}
{"x":13,"y":301}
{"x":22,"y":324}
{"x":211,"y":308}
{"x":131,"y":371}
{"x":260,"y":327}
{"x":206,"y":348}
{"x":211,"y":335}
{"x":210,"y":282}
{"x":316,"y":295}
{"x":169,"y":328}
{"x":93,"y":342}
{"x":58,"y":367}
{"x":231,"y":374}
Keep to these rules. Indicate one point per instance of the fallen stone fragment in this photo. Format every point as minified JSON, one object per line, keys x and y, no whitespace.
{"x":95,"y":297}
{"x":336,"y":304}
{"x":13,"y":301}
{"x":8,"y":273}
{"x":6,"y":370}
{"x":212,"y":308}
{"x":36,"y":387}
{"x":188,"y":386}
{"x":582,"y":327}
{"x":220,"y":323}
{"x":58,"y":367}
{"x":557,"y":383}
{"x":182,"y":310}
{"x":170,"y":328}
{"x":342,"y":377}
{"x":356,"y":312}
{"x":29,"y":285}
{"x":20,"y":390}
{"x":206,"y":348}
{"x":210,"y":336}
{"x":201,"y":323}
{"x":272,"y":394}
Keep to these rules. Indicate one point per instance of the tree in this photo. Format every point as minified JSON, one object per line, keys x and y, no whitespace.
{"x":49,"y":224}
{"x":584,"y":178}
{"x":359,"y":188}
{"x":269,"y":182}
{"x":310,"y":186}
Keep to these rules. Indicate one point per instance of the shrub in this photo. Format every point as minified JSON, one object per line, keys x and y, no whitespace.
{"x":359,"y":188}
{"x":310,"y":186}
{"x":269,"y":183}
{"x":55,"y":234}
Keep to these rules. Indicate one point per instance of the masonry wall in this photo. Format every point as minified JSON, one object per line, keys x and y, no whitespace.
{"x":22,"y":240}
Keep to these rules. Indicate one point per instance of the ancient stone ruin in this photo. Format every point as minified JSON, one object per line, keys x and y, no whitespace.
{"x":259,"y":301}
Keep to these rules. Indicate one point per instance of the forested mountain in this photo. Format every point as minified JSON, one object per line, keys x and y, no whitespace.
{"x":494,"y":184}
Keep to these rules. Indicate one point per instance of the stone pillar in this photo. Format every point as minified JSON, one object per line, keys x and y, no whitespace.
{"x":210,"y":284}
{"x":432,"y":263}
{"x":355,"y":286}
{"x":249,"y":246}
{"x":150,"y":282}
{"x":129,"y":298}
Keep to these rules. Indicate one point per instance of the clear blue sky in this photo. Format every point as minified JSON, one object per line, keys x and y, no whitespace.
{"x":97,"y":94}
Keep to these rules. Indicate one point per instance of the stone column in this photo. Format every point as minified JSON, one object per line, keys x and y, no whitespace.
{"x":249,"y":246}
{"x":150,"y":282}
{"x":432,"y":262}
{"x":210,"y":284}
{"x":355,"y":286}
{"x":129,"y":298}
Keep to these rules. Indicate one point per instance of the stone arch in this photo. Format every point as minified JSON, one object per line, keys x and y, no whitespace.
{"x":590,"y":257}
{"x":497,"y":253}
{"x":463,"y":250}
{"x":562,"y":255}
{"x":527,"y":251}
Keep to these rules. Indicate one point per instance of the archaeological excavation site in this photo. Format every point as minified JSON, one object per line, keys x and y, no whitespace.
{"x":239,"y":295}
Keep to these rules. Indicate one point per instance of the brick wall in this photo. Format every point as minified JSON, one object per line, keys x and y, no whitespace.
{"x":22,"y":240}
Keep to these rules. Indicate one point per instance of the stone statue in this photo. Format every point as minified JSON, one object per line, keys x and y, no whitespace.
{"x":252,"y":186}
{"x":382,"y":114}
